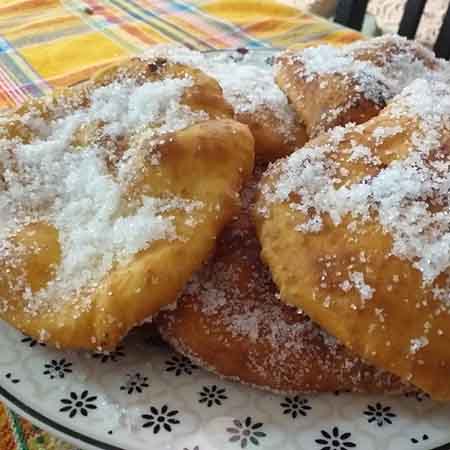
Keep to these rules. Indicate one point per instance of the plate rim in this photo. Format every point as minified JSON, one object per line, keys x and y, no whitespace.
{"x":69,"y":435}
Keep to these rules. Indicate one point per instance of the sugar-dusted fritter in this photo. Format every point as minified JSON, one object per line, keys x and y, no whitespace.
{"x":249,"y":86}
{"x":331,"y":86}
{"x":230,"y":320}
{"x":355,"y":228}
{"x":111,"y":195}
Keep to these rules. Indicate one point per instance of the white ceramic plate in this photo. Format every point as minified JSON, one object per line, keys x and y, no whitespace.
{"x":145,"y":397}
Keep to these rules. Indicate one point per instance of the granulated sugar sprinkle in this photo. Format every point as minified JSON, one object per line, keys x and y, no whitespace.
{"x":235,"y":302}
{"x":398,"y":62}
{"x":248,"y":87}
{"x":68,"y":183}
{"x":400,"y":194}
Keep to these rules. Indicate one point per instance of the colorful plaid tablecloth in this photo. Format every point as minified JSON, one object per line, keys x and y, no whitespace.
{"x":51,"y":43}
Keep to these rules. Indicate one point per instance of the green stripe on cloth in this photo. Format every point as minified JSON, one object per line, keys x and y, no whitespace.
{"x":170,"y":30}
{"x":17,"y":430}
{"x":96,"y":22}
{"x":23,"y":74}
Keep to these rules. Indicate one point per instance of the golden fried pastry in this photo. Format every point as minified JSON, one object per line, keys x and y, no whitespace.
{"x":111,"y":196}
{"x":355,"y":229}
{"x":205,"y":95}
{"x":331,"y":86}
{"x":257,"y":101}
{"x":230,"y":321}
{"x":274,"y":135}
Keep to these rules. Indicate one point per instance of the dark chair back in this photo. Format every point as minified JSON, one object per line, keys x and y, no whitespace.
{"x":351,"y":14}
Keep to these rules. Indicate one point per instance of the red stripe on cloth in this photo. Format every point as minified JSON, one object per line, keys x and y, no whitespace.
{"x":10,"y":89}
{"x":213,"y":35}
{"x":117,"y":19}
{"x":136,"y":32}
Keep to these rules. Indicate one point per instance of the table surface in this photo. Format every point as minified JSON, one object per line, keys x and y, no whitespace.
{"x":46,"y":44}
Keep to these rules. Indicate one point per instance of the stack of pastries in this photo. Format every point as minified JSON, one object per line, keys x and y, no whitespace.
{"x":287,"y":227}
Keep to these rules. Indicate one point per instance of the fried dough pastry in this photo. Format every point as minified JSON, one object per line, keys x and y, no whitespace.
{"x":230,"y":321}
{"x":256,"y":99}
{"x":355,"y":229}
{"x":331,"y":86}
{"x":259,"y":103}
{"x":112,"y":195}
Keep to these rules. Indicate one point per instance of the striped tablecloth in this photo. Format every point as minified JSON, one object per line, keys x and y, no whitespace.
{"x":50,"y":43}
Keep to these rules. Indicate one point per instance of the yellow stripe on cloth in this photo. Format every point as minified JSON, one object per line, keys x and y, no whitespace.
{"x":282,"y":25}
{"x":50,"y":60}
